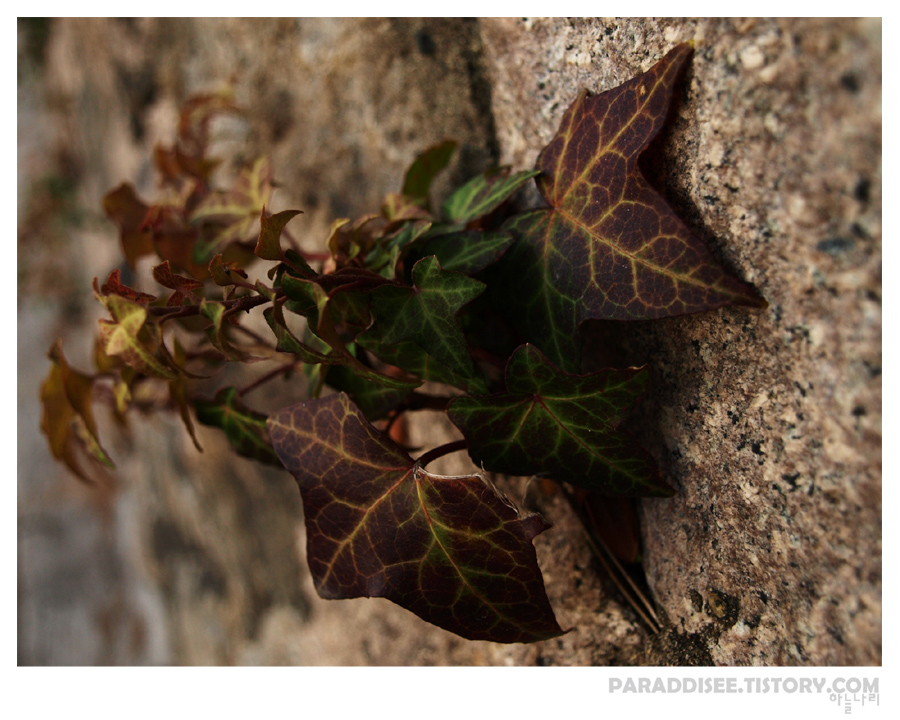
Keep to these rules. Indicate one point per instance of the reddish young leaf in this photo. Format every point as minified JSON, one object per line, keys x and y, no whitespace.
{"x":184,"y":287}
{"x":450,"y":549}
{"x":609,"y":246}
{"x":115,"y":286}
{"x":126,"y":210}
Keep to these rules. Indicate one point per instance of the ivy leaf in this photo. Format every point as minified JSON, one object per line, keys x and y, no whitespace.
{"x":426,"y":314}
{"x":384,"y":257}
{"x":225,"y":273}
{"x":130,"y":337}
{"x":483,"y":194}
{"x":450,"y":549}
{"x":408,"y":356}
{"x":268,"y":247}
{"x":184,"y":287}
{"x":399,"y":208}
{"x":609,"y":246}
{"x":245,"y":429}
{"x":313,"y":301}
{"x":68,"y":419}
{"x":115,"y":286}
{"x":561,"y":426}
{"x":217,"y":333}
{"x":417,"y":183}
{"x":374,"y":399}
{"x":468,"y":251}
{"x":239,"y":209}
{"x":128,"y":211}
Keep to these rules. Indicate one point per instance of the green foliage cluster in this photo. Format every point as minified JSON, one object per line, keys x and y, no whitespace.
{"x":466,"y":295}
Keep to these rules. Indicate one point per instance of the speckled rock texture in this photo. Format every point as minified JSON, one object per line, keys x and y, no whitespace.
{"x":767,"y":422}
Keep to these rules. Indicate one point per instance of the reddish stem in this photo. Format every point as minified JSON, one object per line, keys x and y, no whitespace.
{"x":440,"y":451}
{"x":268,"y":376}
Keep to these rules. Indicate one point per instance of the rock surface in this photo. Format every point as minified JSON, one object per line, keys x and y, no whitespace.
{"x":767,"y":422}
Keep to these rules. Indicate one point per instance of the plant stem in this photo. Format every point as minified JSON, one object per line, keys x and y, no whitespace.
{"x":268,"y":376}
{"x":440,"y":451}
{"x":423,"y":401}
{"x":235,"y":305}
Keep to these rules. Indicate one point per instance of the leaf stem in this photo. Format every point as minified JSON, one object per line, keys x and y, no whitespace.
{"x":423,"y":401}
{"x":271,"y":375}
{"x":235,"y":305}
{"x":440,"y":451}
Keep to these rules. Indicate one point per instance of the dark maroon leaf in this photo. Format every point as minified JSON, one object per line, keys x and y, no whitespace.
{"x":450,"y":549}
{"x":609,"y":246}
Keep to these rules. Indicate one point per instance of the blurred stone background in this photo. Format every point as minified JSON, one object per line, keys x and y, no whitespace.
{"x":768,"y":423}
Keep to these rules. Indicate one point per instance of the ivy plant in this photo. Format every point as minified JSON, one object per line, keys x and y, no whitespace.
{"x":484,"y":305}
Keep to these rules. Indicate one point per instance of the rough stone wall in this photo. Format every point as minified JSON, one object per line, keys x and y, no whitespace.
{"x":767,"y":422}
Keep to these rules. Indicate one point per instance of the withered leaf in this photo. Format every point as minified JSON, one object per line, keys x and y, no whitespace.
{"x":268,"y":246}
{"x":609,"y":246}
{"x":450,"y":549}
{"x":68,"y":418}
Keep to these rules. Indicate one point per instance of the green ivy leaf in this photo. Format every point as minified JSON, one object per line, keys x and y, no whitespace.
{"x":468,"y":251}
{"x":408,"y":356}
{"x":417,"y":183}
{"x":288,"y":342}
{"x":384,"y":257}
{"x":483,"y":194}
{"x":245,"y":429}
{"x":609,"y":246}
{"x":314,"y":302}
{"x":426,"y":314}
{"x":373,"y":398}
{"x":561,"y":426}
{"x":450,"y":549}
